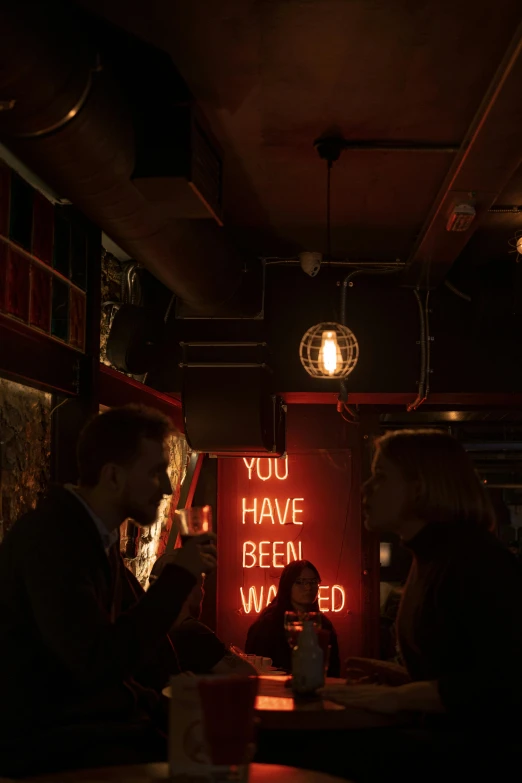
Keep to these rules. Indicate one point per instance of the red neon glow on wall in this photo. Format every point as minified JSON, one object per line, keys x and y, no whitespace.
{"x":272,"y":512}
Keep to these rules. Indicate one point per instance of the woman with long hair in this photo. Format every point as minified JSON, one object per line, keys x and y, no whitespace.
{"x":459,"y":625}
{"x":298,"y":592}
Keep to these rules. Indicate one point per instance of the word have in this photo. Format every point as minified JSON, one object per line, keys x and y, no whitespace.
{"x":271,"y":510}
{"x":270,"y":554}
{"x":331,"y":599}
{"x":265,"y":467}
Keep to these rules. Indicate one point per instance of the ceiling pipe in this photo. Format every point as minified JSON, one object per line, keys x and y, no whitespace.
{"x":503,"y":486}
{"x":64,"y":116}
{"x":489,"y":155}
{"x":494,"y":446}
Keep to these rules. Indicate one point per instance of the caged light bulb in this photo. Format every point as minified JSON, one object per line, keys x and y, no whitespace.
{"x":328,"y":350}
{"x":329,"y":354}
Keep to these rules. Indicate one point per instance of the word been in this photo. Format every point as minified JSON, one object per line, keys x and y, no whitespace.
{"x":331,"y":599}
{"x":270,"y":554}
{"x":265,"y":468}
{"x":285,"y":512}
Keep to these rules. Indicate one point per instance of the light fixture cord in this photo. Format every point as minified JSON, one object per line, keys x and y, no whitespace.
{"x":328,"y":211}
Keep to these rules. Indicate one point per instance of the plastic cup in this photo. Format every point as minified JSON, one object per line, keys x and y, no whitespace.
{"x":194,"y":521}
{"x":228,"y":721}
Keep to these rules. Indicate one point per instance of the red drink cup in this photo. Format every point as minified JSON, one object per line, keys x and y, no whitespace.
{"x":228,"y":718}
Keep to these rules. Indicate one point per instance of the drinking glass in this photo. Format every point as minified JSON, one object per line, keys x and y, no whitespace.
{"x":194,"y":521}
{"x":323,"y":637}
{"x":314,"y":618}
{"x":228,"y":720}
{"x":294,"y":624}
{"x":293,"y":627}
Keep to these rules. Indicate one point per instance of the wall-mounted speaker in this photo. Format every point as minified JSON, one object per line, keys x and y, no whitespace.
{"x":229,"y":407}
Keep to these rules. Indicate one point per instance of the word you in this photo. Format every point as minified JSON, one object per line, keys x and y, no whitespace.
{"x":265,"y":468}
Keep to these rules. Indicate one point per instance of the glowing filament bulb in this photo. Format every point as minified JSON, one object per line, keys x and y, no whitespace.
{"x":329,"y":353}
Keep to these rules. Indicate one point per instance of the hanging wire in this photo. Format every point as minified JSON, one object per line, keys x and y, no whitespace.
{"x":427,"y":369}
{"x":59,"y":405}
{"x":456,"y":291}
{"x":349,"y":421}
{"x":328,"y":210}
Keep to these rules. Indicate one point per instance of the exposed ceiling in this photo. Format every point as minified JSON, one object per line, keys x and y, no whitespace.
{"x":492,"y":438}
{"x":272,"y":76}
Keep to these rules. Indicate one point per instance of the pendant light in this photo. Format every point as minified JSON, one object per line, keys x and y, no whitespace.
{"x":329,"y":350}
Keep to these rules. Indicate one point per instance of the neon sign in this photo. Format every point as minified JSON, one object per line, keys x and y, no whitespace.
{"x":328,"y":603}
{"x":267,"y":473}
{"x":255,"y":599}
{"x":268,"y":554}
{"x":273,"y":551}
{"x":265,"y":510}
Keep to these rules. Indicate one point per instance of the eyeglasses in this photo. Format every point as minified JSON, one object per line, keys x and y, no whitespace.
{"x":306,"y":582}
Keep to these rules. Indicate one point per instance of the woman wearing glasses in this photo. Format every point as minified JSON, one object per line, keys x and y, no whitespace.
{"x":298,"y":591}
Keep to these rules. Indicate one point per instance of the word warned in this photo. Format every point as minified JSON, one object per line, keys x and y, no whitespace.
{"x":255,"y":599}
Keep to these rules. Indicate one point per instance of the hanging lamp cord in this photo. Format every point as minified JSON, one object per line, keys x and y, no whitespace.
{"x":328,"y":211}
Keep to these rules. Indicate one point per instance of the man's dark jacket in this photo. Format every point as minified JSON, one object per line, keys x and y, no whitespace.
{"x":75,"y":627}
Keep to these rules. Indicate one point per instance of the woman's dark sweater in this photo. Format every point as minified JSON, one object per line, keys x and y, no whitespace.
{"x":267,"y":637}
{"x":460,"y":623}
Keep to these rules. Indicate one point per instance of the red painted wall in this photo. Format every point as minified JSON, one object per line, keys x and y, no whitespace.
{"x":315,"y":493}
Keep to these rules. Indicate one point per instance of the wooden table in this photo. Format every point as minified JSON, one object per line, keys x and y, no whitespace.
{"x":277,"y":710}
{"x":259,"y":773}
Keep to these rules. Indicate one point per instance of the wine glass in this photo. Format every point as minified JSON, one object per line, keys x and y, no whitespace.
{"x":314,"y":618}
{"x":324,"y":640}
{"x":293,"y":627}
{"x":294,"y":624}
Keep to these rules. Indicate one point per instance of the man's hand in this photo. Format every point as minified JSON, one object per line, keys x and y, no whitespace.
{"x":420,"y":696}
{"x":363,"y":671}
{"x":374,"y":698}
{"x":197,"y":555}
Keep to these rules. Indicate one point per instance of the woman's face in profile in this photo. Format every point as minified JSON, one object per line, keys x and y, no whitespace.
{"x":386,"y":497}
{"x":305,"y":588}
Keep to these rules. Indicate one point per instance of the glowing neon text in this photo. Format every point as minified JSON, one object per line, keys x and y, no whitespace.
{"x":271,"y":510}
{"x":266,"y":467}
{"x":271,"y":554}
{"x":332,"y":606}
{"x":258,"y":597}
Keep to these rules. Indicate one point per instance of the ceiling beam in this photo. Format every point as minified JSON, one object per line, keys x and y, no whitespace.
{"x":489,"y":155}
{"x":119,"y":389}
{"x":507,"y":401}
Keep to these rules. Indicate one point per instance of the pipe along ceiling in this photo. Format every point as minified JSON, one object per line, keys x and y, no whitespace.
{"x":66,"y":116}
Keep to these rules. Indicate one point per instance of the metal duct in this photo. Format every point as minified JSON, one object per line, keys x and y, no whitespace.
{"x":67,"y":120}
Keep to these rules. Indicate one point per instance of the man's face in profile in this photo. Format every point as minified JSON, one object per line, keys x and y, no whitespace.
{"x":144,"y":482}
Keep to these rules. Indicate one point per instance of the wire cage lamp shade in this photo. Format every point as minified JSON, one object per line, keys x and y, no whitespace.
{"x":515,"y":243}
{"x":329,"y":350}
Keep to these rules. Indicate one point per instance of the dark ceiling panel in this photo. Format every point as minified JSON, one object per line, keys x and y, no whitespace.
{"x":273,"y":76}
{"x":490,"y":155}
